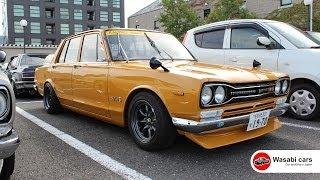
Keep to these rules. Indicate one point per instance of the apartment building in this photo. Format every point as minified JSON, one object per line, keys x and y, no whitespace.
{"x":49,"y":21}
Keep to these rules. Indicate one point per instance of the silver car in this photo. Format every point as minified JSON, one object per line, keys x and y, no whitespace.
{"x":9,"y":140}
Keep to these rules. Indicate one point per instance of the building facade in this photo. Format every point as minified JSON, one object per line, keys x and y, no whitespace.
{"x":49,"y":21}
{"x":148,"y":17}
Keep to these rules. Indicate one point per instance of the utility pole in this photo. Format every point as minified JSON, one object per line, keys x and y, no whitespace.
{"x":309,"y":3}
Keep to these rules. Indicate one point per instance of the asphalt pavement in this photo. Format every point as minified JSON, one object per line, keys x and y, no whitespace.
{"x":45,"y":155}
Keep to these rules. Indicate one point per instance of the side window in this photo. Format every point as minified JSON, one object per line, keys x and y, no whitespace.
{"x":63,"y":52}
{"x":73,"y":49}
{"x":245,"y":38}
{"x":211,"y":39}
{"x":14,"y":63}
{"x":89,"y":48}
{"x":92,"y":49}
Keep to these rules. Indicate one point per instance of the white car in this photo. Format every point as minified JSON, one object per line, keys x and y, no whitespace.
{"x":276,"y":45}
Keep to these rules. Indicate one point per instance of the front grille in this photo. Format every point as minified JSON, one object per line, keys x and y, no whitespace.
{"x":28,"y":74}
{"x":248,"y":108}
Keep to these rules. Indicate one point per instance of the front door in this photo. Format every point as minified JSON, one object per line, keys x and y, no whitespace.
{"x":62,"y":70}
{"x":244,"y":48}
{"x":90,"y":78}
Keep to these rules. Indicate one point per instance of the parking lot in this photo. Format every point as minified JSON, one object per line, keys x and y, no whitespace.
{"x":72,"y":146}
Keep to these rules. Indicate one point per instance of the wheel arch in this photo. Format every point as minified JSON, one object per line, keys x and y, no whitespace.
{"x":297,"y":81}
{"x":135,"y":92}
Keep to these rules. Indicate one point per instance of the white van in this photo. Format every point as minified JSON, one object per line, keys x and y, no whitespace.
{"x":276,"y":45}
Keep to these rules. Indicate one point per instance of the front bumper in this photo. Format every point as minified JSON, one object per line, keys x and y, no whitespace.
{"x":8,"y":144}
{"x":25,"y":84}
{"x":192,"y":126}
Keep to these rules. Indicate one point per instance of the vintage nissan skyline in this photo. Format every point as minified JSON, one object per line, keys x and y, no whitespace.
{"x":149,"y":82}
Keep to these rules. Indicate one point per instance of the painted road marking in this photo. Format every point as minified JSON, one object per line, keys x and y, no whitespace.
{"x":28,"y":102}
{"x":301,"y":126}
{"x":99,"y":157}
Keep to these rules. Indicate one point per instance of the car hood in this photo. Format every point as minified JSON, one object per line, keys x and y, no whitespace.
{"x":215,"y":73}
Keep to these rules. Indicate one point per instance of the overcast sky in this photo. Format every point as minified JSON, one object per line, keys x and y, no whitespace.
{"x":131,"y":6}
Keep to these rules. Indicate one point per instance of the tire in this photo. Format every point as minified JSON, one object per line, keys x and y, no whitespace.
{"x":50,"y":100}
{"x":148,"y":113}
{"x":7,"y":168}
{"x":302,"y":96}
{"x":17,"y":93}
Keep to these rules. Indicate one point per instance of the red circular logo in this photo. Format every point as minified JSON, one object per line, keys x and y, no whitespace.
{"x":261,"y":161}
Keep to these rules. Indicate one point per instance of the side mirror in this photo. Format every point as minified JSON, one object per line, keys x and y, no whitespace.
{"x":155,"y":64}
{"x":263,"y":41}
{"x":3,"y":56}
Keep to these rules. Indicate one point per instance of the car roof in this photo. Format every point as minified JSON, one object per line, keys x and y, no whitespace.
{"x":235,"y":21}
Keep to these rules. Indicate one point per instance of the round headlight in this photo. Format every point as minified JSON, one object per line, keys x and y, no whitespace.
{"x":277,"y":88}
{"x":206,"y":95}
{"x":284,"y":86}
{"x":3,"y":104}
{"x":219,"y":95}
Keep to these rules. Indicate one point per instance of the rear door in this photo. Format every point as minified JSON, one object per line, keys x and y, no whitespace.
{"x":209,"y":45}
{"x":90,"y":77}
{"x":62,"y":70}
{"x":243,"y":47}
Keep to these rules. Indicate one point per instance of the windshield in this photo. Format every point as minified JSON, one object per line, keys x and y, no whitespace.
{"x":31,"y":61}
{"x":136,"y":46}
{"x":293,"y":34}
{"x":315,"y":36}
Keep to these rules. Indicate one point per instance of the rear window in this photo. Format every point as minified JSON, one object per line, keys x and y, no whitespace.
{"x":73,"y":49}
{"x":210,"y":39}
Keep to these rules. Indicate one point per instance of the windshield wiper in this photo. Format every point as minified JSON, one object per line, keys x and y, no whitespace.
{"x":121,"y":50}
{"x":315,"y":47}
{"x":153,"y":44}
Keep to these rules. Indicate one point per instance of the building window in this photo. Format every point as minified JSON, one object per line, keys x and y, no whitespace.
{"x":19,"y":41}
{"x":137,"y":26}
{"x":116,"y":3}
{"x":35,"y":27}
{"x":18,"y":10}
{"x":65,"y":29}
{"x":34,"y":11}
{"x":35,"y":41}
{"x":78,"y":28}
{"x":90,"y":27}
{"x":77,"y":2}
{"x":78,"y":14}
{"x":49,"y":0}
{"x":90,"y":15}
{"x":64,"y":1}
{"x":206,"y":13}
{"x":50,"y":41}
{"x":17,"y":27}
{"x":286,"y":2}
{"x":64,"y":13}
{"x":104,"y":3}
{"x":116,"y":17}
{"x":104,"y":16}
{"x":155,"y":25}
{"x":90,"y":2}
{"x":50,"y":28}
{"x":49,"y":13}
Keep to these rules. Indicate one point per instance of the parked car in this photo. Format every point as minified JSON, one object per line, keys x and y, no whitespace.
{"x":9,"y":140}
{"x":136,"y":78}
{"x":276,"y":45}
{"x":20,"y":71}
{"x":315,"y":36}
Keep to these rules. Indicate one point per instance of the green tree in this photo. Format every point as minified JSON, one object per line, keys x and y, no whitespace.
{"x":178,"y":17}
{"x":229,"y":9}
{"x":297,"y":16}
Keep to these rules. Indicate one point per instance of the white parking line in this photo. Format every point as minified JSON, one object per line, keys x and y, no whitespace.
{"x":301,"y":126}
{"x":99,"y":157}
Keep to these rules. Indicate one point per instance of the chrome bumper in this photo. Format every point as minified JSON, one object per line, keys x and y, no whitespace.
{"x":205,"y":126}
{"x":9,"y":144}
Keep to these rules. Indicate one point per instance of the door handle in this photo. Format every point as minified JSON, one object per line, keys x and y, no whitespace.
{"x":77,"y":66}
{"x":53,"y":67}
{"x":234,"y":59}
